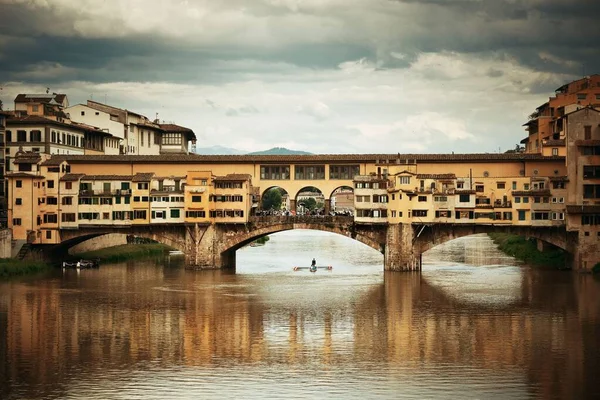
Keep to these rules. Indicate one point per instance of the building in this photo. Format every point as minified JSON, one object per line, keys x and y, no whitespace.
{"x":546,"y":125}
{"x":47,"y":105}
{"x":138,"y":135}
{"x":3,"y":214}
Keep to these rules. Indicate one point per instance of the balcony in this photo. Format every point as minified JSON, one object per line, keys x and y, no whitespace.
{"x":116,"y":192}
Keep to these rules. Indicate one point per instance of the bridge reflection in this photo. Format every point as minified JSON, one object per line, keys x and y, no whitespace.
{"x":63,"y":326}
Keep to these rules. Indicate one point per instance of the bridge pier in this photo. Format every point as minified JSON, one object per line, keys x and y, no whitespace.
{"x":400,"y":254}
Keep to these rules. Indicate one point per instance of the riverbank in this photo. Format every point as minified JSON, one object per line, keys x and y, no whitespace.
{"x":126,"y":252}
{"x":10,"y":267}
{"x":526,"y":251}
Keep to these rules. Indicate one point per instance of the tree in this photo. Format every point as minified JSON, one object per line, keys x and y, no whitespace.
{"x":310,"y":203}
{"x":1,"y":105}
{"x":271,"y":199}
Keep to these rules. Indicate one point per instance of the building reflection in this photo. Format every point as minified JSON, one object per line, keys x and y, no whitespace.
{"x":127,"y":318}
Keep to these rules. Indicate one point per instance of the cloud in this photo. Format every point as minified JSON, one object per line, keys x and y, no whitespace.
{"x":324,"y":75}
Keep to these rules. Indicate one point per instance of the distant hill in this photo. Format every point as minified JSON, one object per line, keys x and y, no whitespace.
{"x":280,"y":151}
{"x":218,"y":150}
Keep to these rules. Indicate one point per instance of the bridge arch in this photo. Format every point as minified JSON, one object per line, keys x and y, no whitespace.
{"x":339,"y":225}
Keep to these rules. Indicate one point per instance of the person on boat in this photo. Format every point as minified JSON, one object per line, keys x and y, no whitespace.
{"x":314,"y":263}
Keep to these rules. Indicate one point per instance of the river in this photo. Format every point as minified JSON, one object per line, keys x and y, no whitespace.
{"x":474,"y":324}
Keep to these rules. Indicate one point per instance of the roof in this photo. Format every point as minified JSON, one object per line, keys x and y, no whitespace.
{"x":35,"y":119}
{"x":142,"y":177}
{"x":40,"y":98}
{"x":53,"y":161}
{"x":583,"y":209}
{"x":71,"y":177}
{"x":587,"y":143}
{"x":29,"y":159}
{"x":106,"y":177}
{"x":555,"y":142}
{"x":559,"y":179}
{"x":312,"y":158}
{"x":233,"y":177}
{"x":464,"y":191}
{"x":542,"y":192}
{"x":172,"y":128}
{"x":22,"y":175}
{"x":436,"y":176}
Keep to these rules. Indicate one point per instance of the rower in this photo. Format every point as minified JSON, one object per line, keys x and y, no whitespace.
{"x":314,"y":263}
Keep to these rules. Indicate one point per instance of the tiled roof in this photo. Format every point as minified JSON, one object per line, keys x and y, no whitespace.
{"x":71,"y":177}
{"x":543,"y":192}
{"x":559,"y":179}
{"x":331,"y":158}
{"x":587,"y":143}
{"x":35,"y":119}
{"x":464,"y":191}
{"x":54,"y":161}
{"x":142,"y":177}
{"x":584,"y":209}
{"x":23,"y":175}
{"x":39,"y":98}
{"x":172,"y":128}
{"x":106,"y":178}
{"x":27,"y":160}
{"x":233,"y":177}
{"x":436,"y":176}
{"x":555,"y":142}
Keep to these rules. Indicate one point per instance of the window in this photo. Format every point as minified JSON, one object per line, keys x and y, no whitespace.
{"x":130,"y":128}
{"x":443,"y":214}
{"x":559,"y":185}
{"x":139,"y":214}
{"x":526,"y":186}
{"x":479,"y":188}
{"x":514,"y":185}
{"x":8,"y":136}
{"x":309,"y":172}
{"x":18,"y":201}
{"x":52,"y":201}
{"x":405,"y":180}
{"x":195,"y":214}
{"x":581,"y":96}
{"x":440,"y":198}
{"x":196,"y":199}
{"x":554,"y":151}
{"x":522,"y":215}
{"x":517,"y":199}
{"x":343,"y":171}
{"x":171,"y":139}
{"x":591,"y":191}
{"x":142,"y":186}
{"x":175,"y":213}
{"x":67,"y":217}
{"x":526,"y":199}
{"x":21,"y":136}
{"x":419,"y":213}
{"x":35,"y":136}
{"x":141,"y":138}
{"x":156,"y":139}
{"x":16,"y":221}
{"x":50,"y":218}
{"x":500,"y":185}
{"x":68,"y":185}
{"x":464,"y":198}
{"x":50,"y":184}
{"x":136,"y":198}
{"x":275,"y":172}
{"x":587,"y":132}
{"x":422,"y":198}
{"x":105,"y":215}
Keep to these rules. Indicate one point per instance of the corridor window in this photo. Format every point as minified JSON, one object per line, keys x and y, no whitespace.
{"x":275,"y":172}
{"x":343,"y":171}
{"x":309,"y":172}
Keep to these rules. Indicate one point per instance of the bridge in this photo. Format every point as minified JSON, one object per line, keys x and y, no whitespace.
{"x":214,"y":246}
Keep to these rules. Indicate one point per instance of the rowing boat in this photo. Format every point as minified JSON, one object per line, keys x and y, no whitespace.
{"x":314,"y":269}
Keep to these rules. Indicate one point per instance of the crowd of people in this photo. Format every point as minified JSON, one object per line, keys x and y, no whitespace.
{"x":318,"y":212}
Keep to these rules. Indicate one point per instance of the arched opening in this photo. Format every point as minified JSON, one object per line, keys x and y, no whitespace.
{"x":297,"y":247}
{"x":342,"y":201}
{"x":274,"y":200}
{"x":310,"y":201}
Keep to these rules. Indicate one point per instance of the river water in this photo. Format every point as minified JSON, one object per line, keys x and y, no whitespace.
{"x":473,"y":325}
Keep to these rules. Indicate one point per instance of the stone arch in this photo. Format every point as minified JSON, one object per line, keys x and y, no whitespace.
{"x":433,"y":235}
{"x":240,"y":240}
{"x":287,"y":192}
{"x":305,"y":189}
{"x":338,"y":190}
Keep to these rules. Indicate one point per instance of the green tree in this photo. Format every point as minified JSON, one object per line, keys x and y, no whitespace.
{"x":271,"y":199}
{"x":310,"y":203}
{"x":1,"y":105}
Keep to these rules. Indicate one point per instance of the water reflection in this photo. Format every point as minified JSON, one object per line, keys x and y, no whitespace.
{"x":460,"y":329}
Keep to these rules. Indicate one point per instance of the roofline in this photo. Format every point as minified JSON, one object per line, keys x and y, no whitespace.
{"x":313,"y":158}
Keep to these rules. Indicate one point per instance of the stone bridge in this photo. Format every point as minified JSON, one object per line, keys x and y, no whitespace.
{"x":213,"y":246}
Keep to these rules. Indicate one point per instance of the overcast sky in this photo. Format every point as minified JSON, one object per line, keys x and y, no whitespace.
{"x":325,"y":76}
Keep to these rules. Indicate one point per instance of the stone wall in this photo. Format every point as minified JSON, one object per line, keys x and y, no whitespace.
{"x":100,"y":242}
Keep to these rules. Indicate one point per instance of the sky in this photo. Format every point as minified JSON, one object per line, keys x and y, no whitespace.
{"x":324,"y":76}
